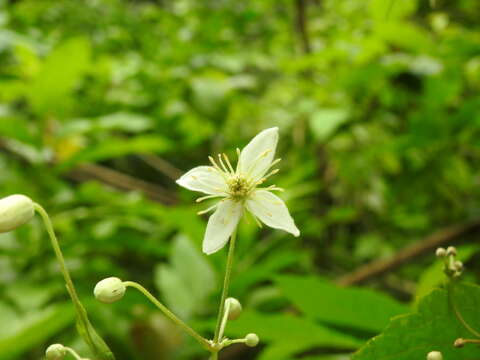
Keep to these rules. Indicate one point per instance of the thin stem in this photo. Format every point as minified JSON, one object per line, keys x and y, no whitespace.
{"x":226,"y":312}
{"x":58,"y":252}
{"x":458,"y":315}
{"x":84,"y":327}
{"x":74,"y":354}
{"x":204,"y":342}
{"x":226,"y":285}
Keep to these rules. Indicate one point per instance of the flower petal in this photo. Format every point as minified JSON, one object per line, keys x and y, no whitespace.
{"x":221,"y":225}
{"x":272,"y":211}
{"x":256,"y":157}
{"x":205,"y":179}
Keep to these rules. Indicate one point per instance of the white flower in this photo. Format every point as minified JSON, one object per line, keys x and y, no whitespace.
{"x":239,"y":190}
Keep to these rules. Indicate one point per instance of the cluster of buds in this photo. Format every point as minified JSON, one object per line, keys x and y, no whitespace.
{"x":453,"y":268}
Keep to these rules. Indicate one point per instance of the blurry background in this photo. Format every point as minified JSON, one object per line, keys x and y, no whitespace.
{"x":104,"y":103}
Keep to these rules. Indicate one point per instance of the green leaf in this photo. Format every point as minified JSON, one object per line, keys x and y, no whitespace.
{"x":50,"y":91}
{"x":287,"y":334}
{"x":324,"y":122}
{"x":188,"y":281}
{"x":36,"y":329}
{"x":356,"y":308}
{"x":432,"y":327}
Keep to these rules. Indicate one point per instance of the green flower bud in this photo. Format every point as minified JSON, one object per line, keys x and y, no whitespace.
{"x":235,"y":308}
{"x":15,"y":210}
{"x":434,"y":355}
{"x":56,"y":352}
{"x":251,"y":340}
{"x":109,"y":290}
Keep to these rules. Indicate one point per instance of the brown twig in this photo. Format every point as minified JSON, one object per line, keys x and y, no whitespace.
{"x":121,"y":181}
{"x":162,"y":166}
{"x":423,"y":247}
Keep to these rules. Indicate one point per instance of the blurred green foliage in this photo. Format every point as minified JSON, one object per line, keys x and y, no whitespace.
{"x":377,"y":103}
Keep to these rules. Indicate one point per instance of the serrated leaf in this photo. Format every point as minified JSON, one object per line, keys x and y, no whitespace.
{"x":356,"y":308}
{"x":432,"y":327}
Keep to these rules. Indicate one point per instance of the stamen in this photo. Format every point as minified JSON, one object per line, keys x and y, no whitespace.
{"x":273,"y":172}
{"x":258,"y":158}
{"x":227,"y":160}
{"x":238,"y":152}
{"x":222,"y":164}
{"x":200,"y":199}
{"x":207,"y":210}
{"x":212,"y":160}
{"x":274,"y":188}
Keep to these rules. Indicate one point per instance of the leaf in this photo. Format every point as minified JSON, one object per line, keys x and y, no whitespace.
{"x":288,"y":334}
{"x":432,"y":327}
{"x":188,"y":281}
{"x":50,"y":90}
{"x":324,"y":122}
{"x":36,"y":329}
{"x":355,"y":308}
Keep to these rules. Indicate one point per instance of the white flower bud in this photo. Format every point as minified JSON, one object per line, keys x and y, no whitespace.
{"x":56,"y":352}
{"x":458,"y":265}
{"x":451,"y":250}
{"x":441,"y":252}
{"x":251,"y":340}
{"x":434,"y":355}
{"x":235,"y":308}
{"x":109,"y":290}
{"x":15,"y":210}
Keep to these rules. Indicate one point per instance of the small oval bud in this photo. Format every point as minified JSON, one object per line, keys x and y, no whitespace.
{"x":109,"y":290}
{"x":251,"y":340}
{"x":434,"y":355}
{"x":56,"y":352}
{"x":451,"y":250}
{"x":441,"y":252}
{"x":459,"y":343}
{"x":15,"y":210}
{"x":458,"y":265}
{"x":235,"y":308}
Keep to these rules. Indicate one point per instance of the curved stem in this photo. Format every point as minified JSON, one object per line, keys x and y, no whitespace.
{"x":58,"y":252}
{"x":223,"y":324}
{"x":204,"y":342}
{"x":458,"y":315}
{"x":74,"y":354}
{"x":85,"y":328}
{"x":226,"y":285}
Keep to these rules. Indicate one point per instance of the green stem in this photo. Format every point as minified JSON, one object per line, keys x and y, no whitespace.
{"x":214,"y":356}
{"x":226,"y":285}
{"x":74,"y":354}
{"x":453,"y":305}
{"x":85,"y":328}
{"x":204,"y":342}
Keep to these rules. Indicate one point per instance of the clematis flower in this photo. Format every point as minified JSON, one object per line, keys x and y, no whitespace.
{"x":240,"y":191}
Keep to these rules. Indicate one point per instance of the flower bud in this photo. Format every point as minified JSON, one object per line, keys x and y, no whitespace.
{"x":451,"y":250}
{"x":441,"y":252}
{"x":55,"y":352}
{"x":251,"y":340}
{"x":458,"y":265}
{"x":109,"y":290}
{"x":235,"y":308}
{"x":15,"y":210}
{"x":434,"y":355}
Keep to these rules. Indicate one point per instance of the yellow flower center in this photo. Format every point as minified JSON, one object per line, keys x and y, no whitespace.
{"x":238,"y":187}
